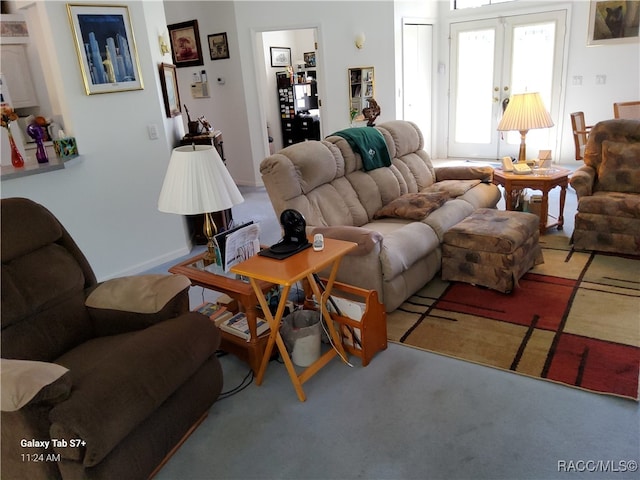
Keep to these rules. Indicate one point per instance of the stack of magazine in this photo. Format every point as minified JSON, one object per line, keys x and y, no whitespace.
{"x":237,"y":244}
{"x":238,"y":325}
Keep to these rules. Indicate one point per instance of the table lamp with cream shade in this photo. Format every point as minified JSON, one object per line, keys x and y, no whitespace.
{"x":524,"y":112}
{"x":197,"y":182}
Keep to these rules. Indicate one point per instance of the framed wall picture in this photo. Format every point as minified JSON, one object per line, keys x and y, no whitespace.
{"x":309,"y":59}
{"x":106,"y":48}
{"x":280,"y":57}
{"x":185,"y":44}
{"x":218,"y":46}
{"x":613,"y":22}
{"x":170,"y":93}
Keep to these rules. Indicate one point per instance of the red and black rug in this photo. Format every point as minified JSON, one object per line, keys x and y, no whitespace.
{"x":574,"y":320}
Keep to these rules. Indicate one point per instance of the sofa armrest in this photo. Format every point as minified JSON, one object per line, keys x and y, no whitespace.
{"x":365,"y":238}
{"x":26,"y":382}
{"x":583,"y":181}
{"x":132,"y":303}
{"x":484,"y":174}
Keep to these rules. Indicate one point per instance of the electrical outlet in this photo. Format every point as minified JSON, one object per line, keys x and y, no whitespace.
{"x":601,"y":79}
{"x":152,"y":129}
{"x":577,"y":80}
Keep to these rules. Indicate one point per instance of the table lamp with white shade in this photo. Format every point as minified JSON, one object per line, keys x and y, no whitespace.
{"x":197,"y":182}
{"x":524,"y":112}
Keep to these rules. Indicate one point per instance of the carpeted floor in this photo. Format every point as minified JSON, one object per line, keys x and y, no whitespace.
{"x":573,"y":320}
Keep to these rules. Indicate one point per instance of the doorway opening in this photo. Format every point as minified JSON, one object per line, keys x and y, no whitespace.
{"x":289,"y":93}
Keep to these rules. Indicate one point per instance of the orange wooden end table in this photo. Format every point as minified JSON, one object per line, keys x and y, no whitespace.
{"x":286,"y":273}
{"x":214,"y":278}
{"x":545,"y":180}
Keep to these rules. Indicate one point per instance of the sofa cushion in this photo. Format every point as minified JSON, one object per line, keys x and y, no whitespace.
{"x":454,"y":188}
{"x":619,"y":170}
{"x":24,"y":381}
{"x":611,"y":204}
{"x":119,"y":381}
{"x":413,"y":206}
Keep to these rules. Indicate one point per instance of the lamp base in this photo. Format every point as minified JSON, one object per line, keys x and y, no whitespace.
{"x":210,"y":230}
{"x":522,"y":154}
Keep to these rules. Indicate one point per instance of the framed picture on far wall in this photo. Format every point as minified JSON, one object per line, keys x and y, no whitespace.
{"x":106,"y":48}
{"x":218,"y":46}
{"x":309,"y":59}
{"x":613,"y":22}
{"x":169,"y":82}
{"x":185,"y":44}
{"x":280,"y":57}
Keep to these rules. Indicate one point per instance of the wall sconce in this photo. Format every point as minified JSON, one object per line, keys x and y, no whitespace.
{"x":164,"y":48}
{"x":360,"y":38}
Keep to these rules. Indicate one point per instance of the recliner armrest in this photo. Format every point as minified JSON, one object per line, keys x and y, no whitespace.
{"x":365,"y":238}
{"x":583,"y":181}
{"x":484,"y":174}
{"x":132,"y":303}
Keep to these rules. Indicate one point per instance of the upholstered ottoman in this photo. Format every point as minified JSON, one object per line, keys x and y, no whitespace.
{"x":492,"y":248}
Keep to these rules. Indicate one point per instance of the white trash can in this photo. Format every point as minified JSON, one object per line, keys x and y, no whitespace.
{"x":301,"y":332}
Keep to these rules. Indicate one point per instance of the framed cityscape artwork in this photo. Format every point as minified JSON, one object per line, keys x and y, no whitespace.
{"x":106,"y":48}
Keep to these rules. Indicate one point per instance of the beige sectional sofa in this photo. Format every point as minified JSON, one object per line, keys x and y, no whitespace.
{"x":399,"y":250}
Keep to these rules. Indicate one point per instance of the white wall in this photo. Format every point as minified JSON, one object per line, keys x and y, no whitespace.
{"x":108,"y":198}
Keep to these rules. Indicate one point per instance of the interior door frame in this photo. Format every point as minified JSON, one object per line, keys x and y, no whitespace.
{"x":502,"y":73}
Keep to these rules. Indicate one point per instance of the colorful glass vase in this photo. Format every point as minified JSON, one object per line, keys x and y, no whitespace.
{"x":35,"y":131}
{"x":16,"y":157}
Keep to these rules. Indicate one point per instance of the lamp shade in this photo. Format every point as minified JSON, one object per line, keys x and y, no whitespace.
{"x":197,"y":181}
{"x":524,"y":112}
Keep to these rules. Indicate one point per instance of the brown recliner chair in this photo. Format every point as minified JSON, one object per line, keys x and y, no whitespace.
{"x":608,"y":189}
{"x":116,"y":373}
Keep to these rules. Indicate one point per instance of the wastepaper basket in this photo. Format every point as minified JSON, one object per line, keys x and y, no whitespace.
{"x":301,"y":332}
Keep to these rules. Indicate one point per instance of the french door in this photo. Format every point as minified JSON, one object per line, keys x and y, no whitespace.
{"x":491,"y":59}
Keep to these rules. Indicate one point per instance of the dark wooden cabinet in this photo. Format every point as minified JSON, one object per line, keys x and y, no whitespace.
{"x":297,"y":102}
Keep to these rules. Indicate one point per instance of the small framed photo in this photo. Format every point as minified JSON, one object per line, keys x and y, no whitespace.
{"x":280,"y":57}
{"x":218,"y":46}
{"x":613,"y":22}
{"x":169,"y":82}
{"x":309,"y":59}
{"x":106,"y":48}
{"x":185,"y":44}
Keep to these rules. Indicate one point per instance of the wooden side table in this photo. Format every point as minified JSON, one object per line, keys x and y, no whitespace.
{"x":545,"y":180}
{"x":286,"y":273}
{"x":214,"y":278}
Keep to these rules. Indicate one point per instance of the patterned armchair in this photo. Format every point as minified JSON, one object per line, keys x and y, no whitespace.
{"x":608,"y":189}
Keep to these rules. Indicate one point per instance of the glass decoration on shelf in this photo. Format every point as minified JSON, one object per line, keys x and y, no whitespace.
{"x":35,"y":131}
{"x":8,"y":115}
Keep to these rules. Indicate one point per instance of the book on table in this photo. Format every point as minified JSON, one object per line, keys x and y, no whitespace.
{"x":239,"y":326}
{"x":211,"y":310}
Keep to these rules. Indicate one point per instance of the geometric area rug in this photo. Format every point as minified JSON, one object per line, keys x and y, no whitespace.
{"x":574,"y":320}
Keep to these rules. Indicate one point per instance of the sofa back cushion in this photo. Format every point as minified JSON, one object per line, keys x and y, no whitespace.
{"x":615,"y":130}
{"x":619,"y":170}
{"x":325,"y":180}
{"x":43,"y":285}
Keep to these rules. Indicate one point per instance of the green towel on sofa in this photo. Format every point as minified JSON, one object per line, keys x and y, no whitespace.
{"x":370,"y":144}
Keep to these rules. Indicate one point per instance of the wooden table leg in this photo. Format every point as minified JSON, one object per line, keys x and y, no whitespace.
{"x":544,"y":211}
{"x":563,"y":196}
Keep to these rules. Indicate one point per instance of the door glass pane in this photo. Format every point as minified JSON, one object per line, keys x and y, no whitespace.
{"x":474,"y":86}
{"x":532,"y":66}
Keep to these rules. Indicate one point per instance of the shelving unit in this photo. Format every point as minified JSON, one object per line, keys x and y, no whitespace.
{"x":361,"y":90}
{"x":295,"y":102}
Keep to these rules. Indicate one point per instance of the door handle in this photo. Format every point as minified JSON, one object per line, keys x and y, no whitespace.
{"x":505,"y":102}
